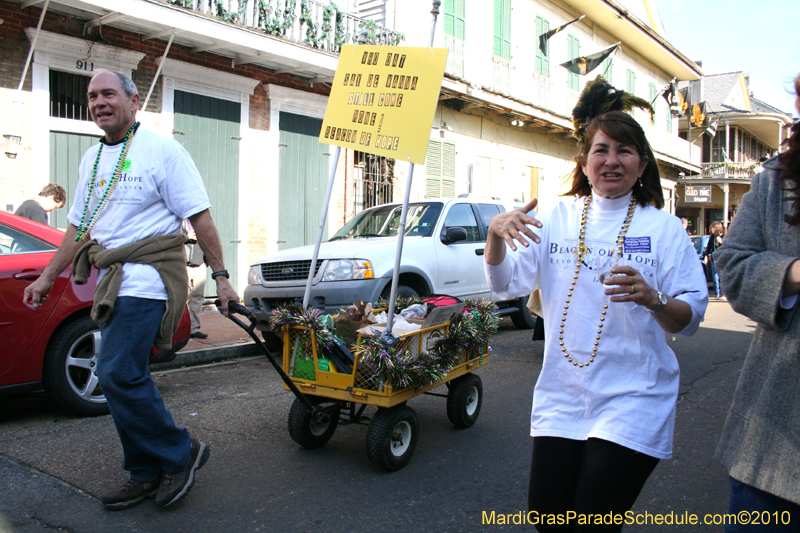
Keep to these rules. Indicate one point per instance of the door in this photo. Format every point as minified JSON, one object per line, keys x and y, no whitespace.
{"x":209,"y":129}
{"x":461,"y":271}
{"x":303,"y":179}
{"x":66,"y":152}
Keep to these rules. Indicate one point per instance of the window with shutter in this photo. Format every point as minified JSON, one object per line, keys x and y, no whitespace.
{"x":502,"y":29}
{"x":440,"y":170}
{"x":573,"y":51}
{"x":454,"y":18}
{"x":630,"y":84}
{"x":608,"y":70}
{"x":542,"y":62}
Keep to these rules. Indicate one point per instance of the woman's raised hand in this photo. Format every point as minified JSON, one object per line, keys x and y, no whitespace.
{"x":513,"y":226}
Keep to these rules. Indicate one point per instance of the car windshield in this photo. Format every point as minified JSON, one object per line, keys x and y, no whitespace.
{"x":384,"y":221}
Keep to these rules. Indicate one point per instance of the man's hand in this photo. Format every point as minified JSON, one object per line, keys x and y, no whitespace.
{"x":36,"y":293}
{"x":226,"y":293}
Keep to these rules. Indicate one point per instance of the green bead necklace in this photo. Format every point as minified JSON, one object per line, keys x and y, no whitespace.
{"x":83,"y":231}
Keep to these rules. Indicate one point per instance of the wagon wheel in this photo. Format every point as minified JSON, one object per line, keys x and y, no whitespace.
{"x":309,"y":432}
{"x":464,"y":400}
{"x":392,"y":437}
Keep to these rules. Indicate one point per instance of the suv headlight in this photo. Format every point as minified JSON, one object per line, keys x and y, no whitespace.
{"x":347,"y":269}
{"x":254,"y":275}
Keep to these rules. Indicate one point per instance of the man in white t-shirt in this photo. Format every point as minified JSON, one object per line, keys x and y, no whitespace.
{"x":135,"y":188}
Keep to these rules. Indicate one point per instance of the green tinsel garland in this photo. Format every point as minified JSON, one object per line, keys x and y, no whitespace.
{"x":471,"y":330}
{"x":468,"y":332}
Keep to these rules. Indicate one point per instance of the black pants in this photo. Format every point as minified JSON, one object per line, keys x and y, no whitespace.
{"x":590,"y":477}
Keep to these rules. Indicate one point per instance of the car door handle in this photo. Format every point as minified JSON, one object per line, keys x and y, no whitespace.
{"x":478,"y":251}
{"x":28,"y":275}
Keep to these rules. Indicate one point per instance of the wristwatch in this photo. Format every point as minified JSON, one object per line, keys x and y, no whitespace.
{"x":223,"y":273}
{"x":662,"y":301}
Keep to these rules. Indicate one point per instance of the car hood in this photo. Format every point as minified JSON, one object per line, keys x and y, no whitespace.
{"x":341,"y":249}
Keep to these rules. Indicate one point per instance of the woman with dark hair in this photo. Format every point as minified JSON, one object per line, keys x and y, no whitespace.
{"x":615,"y":273}
{"x":759,"y":265}
{"x":715,"y":231}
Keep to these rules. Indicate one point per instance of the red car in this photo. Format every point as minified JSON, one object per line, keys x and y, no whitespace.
{"x":55,"y":346}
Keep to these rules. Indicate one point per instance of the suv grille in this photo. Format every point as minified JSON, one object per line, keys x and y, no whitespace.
{"x":288,"y":270}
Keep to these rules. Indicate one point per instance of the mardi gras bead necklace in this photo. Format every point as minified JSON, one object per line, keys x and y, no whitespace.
{"x":83,"y":231}
{"x":580,"y":254}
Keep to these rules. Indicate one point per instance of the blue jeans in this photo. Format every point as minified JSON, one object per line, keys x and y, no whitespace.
{"x":765,"y":511}
{"x":715,"y":275}
{"x":151,"y":442}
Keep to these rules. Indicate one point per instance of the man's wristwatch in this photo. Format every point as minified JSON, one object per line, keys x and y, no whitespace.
{"x":223,"y":273}
{"x":662,"y":301}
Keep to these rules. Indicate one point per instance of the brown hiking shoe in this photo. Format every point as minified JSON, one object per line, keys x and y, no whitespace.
{"x":130,"y":494}
{"x":175,"y":486}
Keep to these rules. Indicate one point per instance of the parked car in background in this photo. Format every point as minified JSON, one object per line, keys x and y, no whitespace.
{"x":700,"y":242}
{"x":54,"y":347}
{"x":442,"y":254}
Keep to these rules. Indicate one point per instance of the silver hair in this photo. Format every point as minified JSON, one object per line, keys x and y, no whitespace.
{"x":127,"y":84}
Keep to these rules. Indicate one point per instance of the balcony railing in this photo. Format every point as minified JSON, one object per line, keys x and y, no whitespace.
{"x":455,"y":57}
{"x":302,"y":21}
{"x":730,"y":170}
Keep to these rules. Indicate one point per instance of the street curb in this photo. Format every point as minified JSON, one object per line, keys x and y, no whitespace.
{"x":208,"y":355}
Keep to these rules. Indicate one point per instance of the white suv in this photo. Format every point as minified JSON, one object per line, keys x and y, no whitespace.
{"x":442,"y":254}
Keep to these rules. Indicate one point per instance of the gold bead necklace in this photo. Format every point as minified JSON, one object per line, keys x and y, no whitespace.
{"x":580,"y":253}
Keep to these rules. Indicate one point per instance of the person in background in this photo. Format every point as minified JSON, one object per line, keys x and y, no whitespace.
{"x":685,"y":222}
{"x":759,"y":266}
{"x":52,"y":197}
{"x":616,"y":272}
{"x":133,"y":235}
{"x":715,"y":231}
{"x":196,"y":269}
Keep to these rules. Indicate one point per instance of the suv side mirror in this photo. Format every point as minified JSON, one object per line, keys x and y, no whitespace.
{"x":454,"y":234}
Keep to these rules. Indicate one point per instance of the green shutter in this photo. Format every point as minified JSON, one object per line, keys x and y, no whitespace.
{"x":440,"y":170}
{"x":502,"y":28}
{"x":461,"y":19}
{"x":542,"y":61}
{"x":454,"y":18}
{"x":631,"y":82}
{"x":497,"y":40}
{"x":573,"y":51}
{"x":652,"y":93}
{"x":608,"y":70}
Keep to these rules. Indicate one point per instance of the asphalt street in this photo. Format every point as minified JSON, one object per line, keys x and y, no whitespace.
{"x":54,"y":467}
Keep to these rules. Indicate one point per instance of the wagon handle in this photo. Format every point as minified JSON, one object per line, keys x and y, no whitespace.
{"x":237,"y":308}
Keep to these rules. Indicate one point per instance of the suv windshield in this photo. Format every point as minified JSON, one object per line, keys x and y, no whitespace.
{"x":384,"y":221}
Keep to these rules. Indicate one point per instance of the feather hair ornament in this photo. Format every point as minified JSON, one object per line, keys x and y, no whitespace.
{"x":599,"y":97}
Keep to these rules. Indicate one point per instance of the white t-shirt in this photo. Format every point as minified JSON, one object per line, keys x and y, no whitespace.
{"x":158,"y":188}
{"x":627,"y":395}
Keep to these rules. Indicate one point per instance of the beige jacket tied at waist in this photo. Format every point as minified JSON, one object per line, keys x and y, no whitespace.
{"x":165,"y":253}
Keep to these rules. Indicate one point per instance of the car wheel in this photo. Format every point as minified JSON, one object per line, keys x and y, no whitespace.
{"x":523,"y":319}
{"x":69,"y":374}
{"x":402,"y":290}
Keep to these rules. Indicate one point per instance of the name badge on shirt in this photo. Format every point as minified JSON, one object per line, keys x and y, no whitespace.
{"x":637,"y":245}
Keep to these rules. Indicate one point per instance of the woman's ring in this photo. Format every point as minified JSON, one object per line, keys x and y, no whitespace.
{"x":632,"y":290}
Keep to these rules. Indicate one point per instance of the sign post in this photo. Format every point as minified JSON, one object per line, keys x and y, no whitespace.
{"x":382,"y":102}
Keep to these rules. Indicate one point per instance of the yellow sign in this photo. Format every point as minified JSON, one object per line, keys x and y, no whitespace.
{"x":383,"y":100}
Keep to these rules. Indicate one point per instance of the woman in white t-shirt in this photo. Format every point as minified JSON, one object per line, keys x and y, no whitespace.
{"x":615,"y":273}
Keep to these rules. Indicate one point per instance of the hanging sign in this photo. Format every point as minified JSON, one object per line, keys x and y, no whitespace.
{"x":383,"y":99}
{"x":698,"y":193}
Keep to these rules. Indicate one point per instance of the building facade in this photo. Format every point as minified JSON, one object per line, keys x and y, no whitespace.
{"x":243,"y":85}
{"x":736,"y":132}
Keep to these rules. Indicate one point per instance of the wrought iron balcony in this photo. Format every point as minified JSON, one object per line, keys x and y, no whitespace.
{"x":730,"y":170}
{"x":308,"y":22}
